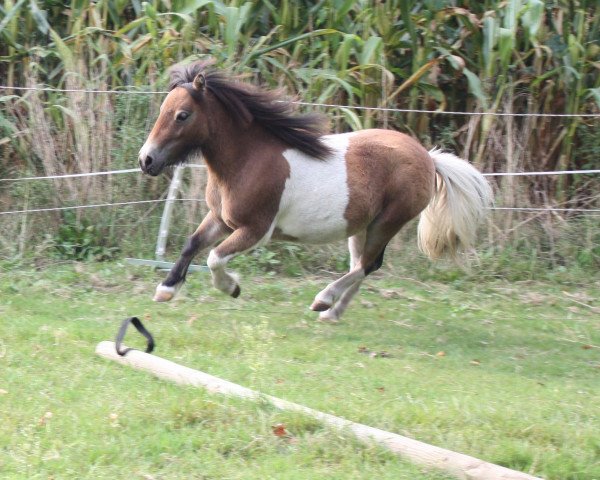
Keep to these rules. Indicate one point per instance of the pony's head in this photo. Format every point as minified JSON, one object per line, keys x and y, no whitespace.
{"x":182,"y":125}
{"x":204,"y":105}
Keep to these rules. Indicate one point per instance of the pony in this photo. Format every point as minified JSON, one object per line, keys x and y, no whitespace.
{"x":274,"y":174}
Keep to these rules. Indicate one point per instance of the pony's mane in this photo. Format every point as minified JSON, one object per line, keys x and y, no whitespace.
{"x":267,"y":108}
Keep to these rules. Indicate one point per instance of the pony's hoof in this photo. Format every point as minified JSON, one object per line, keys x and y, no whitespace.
{"x":328,"y":317}
{"x":319,"y":306}
{"x":164,"y":293}
{"x":236,"y":292}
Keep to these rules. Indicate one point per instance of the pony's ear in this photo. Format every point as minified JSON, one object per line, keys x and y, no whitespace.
{"x":199,"y":82}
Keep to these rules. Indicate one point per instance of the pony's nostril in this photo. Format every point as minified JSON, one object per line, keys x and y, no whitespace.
{"x":145,"y":162}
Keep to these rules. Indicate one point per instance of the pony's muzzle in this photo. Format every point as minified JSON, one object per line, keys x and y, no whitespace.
{"x":149,"y":164}
{"x":146,"y":162}
{"x":149,"y":159}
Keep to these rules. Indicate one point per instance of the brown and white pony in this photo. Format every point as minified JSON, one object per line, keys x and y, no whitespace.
{"x":274,"y":175}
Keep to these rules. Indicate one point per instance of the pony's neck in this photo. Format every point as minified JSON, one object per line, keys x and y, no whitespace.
{"x":232,"y":146}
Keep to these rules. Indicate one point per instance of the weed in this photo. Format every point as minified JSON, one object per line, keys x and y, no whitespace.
{"x":80,"y":240}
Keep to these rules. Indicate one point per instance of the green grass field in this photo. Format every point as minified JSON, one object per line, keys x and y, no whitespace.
{"x":504,"y":371}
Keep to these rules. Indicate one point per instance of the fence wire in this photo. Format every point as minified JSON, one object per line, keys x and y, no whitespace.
{"x":322,"y":105}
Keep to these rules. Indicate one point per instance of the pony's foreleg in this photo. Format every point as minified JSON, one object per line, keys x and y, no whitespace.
{"x":240,"y":241}
{"x":210,"y":231}
{"x":356,"y":245}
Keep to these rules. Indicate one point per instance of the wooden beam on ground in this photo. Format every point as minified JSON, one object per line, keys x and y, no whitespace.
{"x":462,"y":466}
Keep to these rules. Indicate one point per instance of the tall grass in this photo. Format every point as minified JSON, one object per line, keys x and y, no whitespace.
{"x":519,"y":56}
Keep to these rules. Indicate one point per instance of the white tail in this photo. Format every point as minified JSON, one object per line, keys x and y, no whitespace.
{"x":462,"y":197}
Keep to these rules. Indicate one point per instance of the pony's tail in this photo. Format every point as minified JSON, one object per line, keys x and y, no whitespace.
{"x":461,"y":200}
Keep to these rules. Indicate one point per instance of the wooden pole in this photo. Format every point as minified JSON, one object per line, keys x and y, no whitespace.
{"x":461,"y":466}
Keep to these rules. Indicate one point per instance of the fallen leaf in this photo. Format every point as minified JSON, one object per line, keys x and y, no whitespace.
{"x":47,"y":416}
{"x":279,"y":430}
{"x":475,"y":362}
{"x":3,"y":392}
{"x":381,"y":389}
{"x":114,"y":419}
{"x":587,"y":347}
{"x":379,"y":355}
{"x":440,"y":354}
{"x":390,"y":294}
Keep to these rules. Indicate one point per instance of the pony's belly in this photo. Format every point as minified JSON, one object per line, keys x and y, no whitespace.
{"x":316,"y":195}
{"x":307,"y":226}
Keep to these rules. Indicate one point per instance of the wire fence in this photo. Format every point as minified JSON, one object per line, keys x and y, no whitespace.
{"x":99,"y":205}
{"x":163,"y":200}
{"x":543,"y":213}
{"x":136,"y":170}
{"x":88,"y":174}
{"x":322,"y":105}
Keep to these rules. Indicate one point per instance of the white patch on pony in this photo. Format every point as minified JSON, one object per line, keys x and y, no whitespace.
{"x":215,"y":262}
{"x":164,"y":293}
{"x":222,"y":280}
{"x":316,"y":195}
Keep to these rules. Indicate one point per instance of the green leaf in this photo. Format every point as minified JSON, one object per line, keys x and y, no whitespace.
{"x":506,"y":46}
{"x":191,"y":6}
{"x":475,"y":87}
{"x":11,"y":14}
{"x":595,"y":94}
{"x":489,"y":44}
{"x":533,"y":17}
{"x":342,"y":56}
{"x":40,"y":17}
{"x":149,"y":10}
{"x":63,"y":51}
{"x":316,"y":33}
{"x":186,"y":18}
{"x":352,"y":118}
{"x":369,"y":50}
{"x":131,"y":25}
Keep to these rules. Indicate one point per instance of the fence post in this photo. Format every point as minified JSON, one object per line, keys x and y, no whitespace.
{"x":165,"y":220}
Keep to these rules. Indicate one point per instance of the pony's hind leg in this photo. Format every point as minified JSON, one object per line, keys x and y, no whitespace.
{"x":210,"y":231}
{"x":356,"y":246}
{"x":334,"y":313}
{"x":379,"y":233}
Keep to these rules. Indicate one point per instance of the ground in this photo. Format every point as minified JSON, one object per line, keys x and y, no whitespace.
{"x":504,"y":371}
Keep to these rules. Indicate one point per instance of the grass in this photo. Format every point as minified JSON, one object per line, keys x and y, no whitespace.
{"x":505,"y":371}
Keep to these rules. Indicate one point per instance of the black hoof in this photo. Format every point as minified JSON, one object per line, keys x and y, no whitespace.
{"x":319,"y":306}
{"x":236,"y":292}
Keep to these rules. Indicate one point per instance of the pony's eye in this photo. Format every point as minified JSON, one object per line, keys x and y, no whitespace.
{"x":182,"y":116}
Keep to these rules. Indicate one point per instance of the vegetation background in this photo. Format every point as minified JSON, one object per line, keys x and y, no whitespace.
{"x":488,"y":57}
